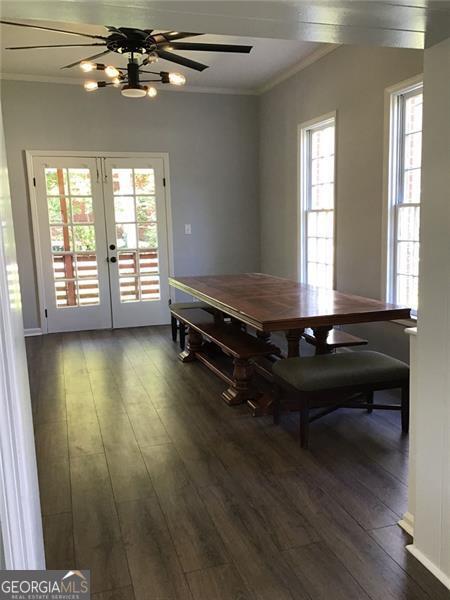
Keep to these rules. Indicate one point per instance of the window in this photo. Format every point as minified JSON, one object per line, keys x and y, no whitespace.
{"x":405,"y":155}
{"x":317,"y":202}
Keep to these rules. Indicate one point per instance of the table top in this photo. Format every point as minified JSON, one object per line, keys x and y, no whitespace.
{"x":270,"y":303}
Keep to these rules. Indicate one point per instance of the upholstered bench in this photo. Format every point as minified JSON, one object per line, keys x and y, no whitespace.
{"x":332,"y":381}
{"x":177,"y":325}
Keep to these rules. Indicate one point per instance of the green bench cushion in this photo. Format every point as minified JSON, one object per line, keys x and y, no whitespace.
{"x":181,"y":305}
{"x":329,"y":371}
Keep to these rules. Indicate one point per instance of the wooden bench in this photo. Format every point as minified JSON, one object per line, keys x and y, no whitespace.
{"x":345,"y":380}
{"x":229,"y":337}
{"x":336,"y":339}
{"x":178,"y":326}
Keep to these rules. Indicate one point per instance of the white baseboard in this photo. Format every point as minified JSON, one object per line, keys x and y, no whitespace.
{"x":435,"y":570}
{"x":407,"y":523}
{"x":33,"y":331}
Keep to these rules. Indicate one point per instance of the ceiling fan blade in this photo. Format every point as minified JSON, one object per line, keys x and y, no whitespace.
{"x":180,"y":60}
{"x":94,"y":37}
{"x":85,"y":59}
{"x":53,"y":46}
{"x":211,"y":47}
{"x":169,"y":36}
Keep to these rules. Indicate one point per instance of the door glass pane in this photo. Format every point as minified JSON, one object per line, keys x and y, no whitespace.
{"x":80,"y":182}
{"x":124,"y":209}
{"x":84,"y":237}
{"x":137,"y":233}
{"x":58,"y":209}
{"x":127,"y":263}
{"x":75,"y":275}
{"x":82,"y":210}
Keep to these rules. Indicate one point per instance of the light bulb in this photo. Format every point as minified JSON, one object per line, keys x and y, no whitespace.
{"x":177,"y":78}
{"x":90,"y":86}
{"x":116,"y":82}
{"x":87,"y":66}
{"x":112,"y":71}
{"x":152,"y":92}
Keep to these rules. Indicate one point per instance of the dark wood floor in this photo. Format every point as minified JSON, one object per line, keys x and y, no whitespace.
{"x":164,"y":492}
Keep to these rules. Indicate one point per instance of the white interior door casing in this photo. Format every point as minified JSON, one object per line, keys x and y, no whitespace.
{"x":71,"y":222}
{"x":137,"y":232}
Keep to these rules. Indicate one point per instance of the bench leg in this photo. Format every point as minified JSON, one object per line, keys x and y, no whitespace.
{"x":182,"y":328}
{"x":195,"y":342}
{"x":173,"y":323}
{"x":405,"y":409}
{"x":304,"y":424}
{"x":369,"y":400}
{"x":239,"y":391}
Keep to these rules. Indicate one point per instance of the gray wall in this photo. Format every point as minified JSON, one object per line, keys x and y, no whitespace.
{"x":212,"y":140}
{"x":352,"y":81}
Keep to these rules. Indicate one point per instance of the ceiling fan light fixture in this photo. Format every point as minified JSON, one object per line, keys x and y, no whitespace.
{"x":133,"y":91}
{"x":152,"y":92}
{"x":177,"y":78}
{"x":87,"y":66}
{"x":111,"y":71}
{"x":90,"y":86}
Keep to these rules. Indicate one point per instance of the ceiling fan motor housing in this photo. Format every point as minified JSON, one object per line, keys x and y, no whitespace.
{"x":125,"y":39}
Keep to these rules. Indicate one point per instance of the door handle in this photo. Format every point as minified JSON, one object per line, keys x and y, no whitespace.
{"x":112,"y":247}
{"x":113,"y":259}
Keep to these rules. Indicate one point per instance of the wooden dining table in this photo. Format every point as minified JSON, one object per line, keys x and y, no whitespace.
{"x":270,"y":304}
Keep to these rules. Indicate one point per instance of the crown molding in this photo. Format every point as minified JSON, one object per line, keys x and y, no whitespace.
{"x":75,"y":81}
{"x":303,"y":64}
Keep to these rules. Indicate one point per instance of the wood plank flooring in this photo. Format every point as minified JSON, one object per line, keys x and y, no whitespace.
{"x":166,"y":493}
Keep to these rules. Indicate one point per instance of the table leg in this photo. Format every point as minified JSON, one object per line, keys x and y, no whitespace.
{"x":239,"y":391}
{"x":293,"y":339}
{"x":321,"y":334}
{"x":195,"y":342}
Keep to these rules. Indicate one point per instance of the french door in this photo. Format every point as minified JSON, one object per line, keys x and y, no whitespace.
{"x":102,"y":233}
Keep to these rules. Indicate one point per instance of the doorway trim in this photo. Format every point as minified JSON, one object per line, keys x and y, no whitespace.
{"x":31,"y":154}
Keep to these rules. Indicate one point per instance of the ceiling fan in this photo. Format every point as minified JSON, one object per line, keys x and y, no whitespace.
{"x":144,"y":47}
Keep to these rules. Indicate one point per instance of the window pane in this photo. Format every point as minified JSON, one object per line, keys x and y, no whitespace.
{"x":408,"y":258}
{"x":312,"y":249}
{"x":61,"y":239}
{"x":126,"y":235}
{"x":150,"y":288}
{"x":124,"y":209}
{"x":413,"y":114}
{"x":144,"y":181}
{"x":146,"y":208}
{"x":63,"y":266}
{"x":58,"y":210}
{"x":80,"y":182}
{"x":56,"y":182}
{"x":413,"y":150}
{"x":123,"y":181}
{"x":84,"y":237}
{"x":148,"y":262}
{"x":87,"y":266}
{"x":322,"y":196}
{"x":322,"y":142}
{"x":411,"y":186}
{"x":66,"y":293}
{"x":129,"y":289}
{"x":322,"y":170}
{"x":127,"y":263}
{"x":408,"y":223}
{"x":82,"y":210}
{"x":88,"y":292}
{"x":407,"y":291}
{"x":148,"y":236}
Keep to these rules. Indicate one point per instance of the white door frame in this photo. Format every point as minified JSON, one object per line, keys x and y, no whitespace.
{"x":30,"y":154}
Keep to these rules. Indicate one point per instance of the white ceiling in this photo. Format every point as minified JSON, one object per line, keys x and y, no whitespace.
{"x":247,"y":72}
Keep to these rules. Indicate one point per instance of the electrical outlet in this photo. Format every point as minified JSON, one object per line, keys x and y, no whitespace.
{"x":187,"y":229}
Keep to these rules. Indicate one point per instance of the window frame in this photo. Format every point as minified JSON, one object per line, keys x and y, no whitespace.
{"x":304,"y":189}
{"x":395,"y":98}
